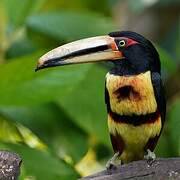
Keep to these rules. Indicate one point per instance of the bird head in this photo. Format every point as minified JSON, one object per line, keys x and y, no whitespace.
{"x":129,"y":51}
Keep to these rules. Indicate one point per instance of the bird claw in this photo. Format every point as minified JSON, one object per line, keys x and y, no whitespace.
{"x":111,"y":164}
{"x":150,"y":156}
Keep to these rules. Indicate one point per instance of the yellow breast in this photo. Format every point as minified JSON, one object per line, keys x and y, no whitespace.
{"x":135,"y":138}
{"x":138,"y":97}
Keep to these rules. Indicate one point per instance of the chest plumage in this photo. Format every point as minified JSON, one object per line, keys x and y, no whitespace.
{"x":131,"y":98}
{"x":130,"y":95}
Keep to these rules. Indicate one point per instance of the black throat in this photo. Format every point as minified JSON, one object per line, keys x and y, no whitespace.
{"x":125,"y":68}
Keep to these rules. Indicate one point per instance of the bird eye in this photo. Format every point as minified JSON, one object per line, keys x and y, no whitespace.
{"x":122,"y":43}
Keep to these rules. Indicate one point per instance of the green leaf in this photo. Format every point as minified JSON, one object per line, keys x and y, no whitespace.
{"x":17,"y":10}
{"x":166,"y":61}
{"x":86,"y":104}
{"x":3,"y":44}
{"x":70,"y":25}
{"x":174,"y":126}
{"x":17,"y":133}
{"x":41,"y":165}
{"x":20,"y":85}
{"x":9,"y":132}
{"x":20,"y":47}
{"x":162,"y":148}
{"x":78,"y":5}
{"x":53,"y":126}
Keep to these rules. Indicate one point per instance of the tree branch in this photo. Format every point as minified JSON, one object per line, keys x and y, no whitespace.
{"x":9,"y":165}
{"x":161,"y":168}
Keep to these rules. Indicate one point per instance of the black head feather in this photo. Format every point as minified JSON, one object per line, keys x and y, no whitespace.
{"x":142,"y":56}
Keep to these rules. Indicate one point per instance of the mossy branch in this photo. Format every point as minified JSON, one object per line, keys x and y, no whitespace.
{"x":161,"y":168}
{"x":9,"y":165}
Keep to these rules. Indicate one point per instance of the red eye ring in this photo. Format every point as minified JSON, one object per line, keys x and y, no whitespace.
{"x":131,"y":42}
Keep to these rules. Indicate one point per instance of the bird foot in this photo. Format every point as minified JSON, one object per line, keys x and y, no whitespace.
{"x":113,"y":162}
{"x":150,"y":156}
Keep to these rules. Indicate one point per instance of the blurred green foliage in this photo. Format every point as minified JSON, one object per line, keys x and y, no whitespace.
{"x":51,"y":118}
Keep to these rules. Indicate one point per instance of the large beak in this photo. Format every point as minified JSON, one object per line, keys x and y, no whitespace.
{"x":93,"y":49}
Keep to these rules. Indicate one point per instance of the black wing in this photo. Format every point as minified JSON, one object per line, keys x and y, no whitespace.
{"x":107,"y":100}
{"x":159,"y":94}
{"x":161,"y":106}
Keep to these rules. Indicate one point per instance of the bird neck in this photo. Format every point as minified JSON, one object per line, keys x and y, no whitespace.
{"x":125,"y":67}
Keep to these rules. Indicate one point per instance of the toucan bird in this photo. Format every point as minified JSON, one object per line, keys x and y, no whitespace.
{"x":134,"y":93}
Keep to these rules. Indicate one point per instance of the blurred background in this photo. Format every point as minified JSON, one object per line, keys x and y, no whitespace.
{"x":56,"y":119}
